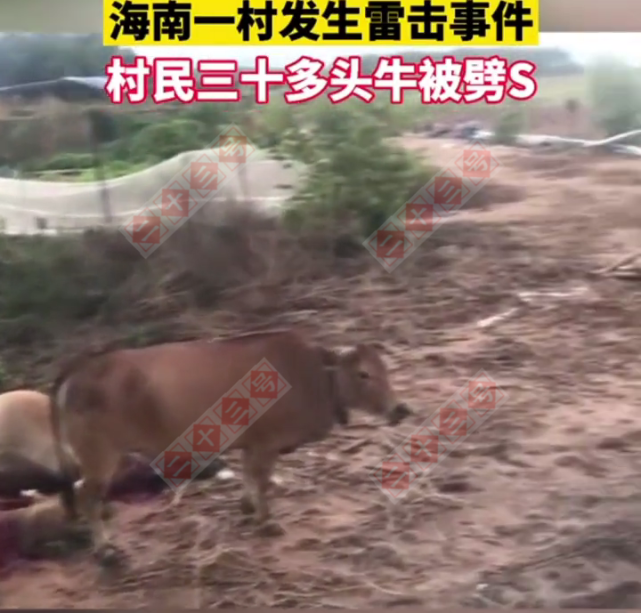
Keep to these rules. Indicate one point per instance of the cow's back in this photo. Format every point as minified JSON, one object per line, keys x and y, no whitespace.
{"x":25,"y":428}
{"x":176,"y":383}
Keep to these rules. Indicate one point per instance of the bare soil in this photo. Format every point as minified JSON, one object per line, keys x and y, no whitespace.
{"x":540,"y":507}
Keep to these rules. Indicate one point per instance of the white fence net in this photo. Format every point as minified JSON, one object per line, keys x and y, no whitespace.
{"x":33,"y":206}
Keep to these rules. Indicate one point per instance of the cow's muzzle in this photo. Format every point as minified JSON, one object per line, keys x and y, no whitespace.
{"x":399,"y":413}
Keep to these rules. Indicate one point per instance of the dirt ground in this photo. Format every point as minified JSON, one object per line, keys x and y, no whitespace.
{"x":539,"y":507}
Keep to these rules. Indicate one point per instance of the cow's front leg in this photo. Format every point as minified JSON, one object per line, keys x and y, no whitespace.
{"x":259,"y":469}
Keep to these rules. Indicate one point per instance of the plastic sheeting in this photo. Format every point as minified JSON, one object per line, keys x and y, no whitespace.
{"x":28,"y":206}
{"x":614,"y":144}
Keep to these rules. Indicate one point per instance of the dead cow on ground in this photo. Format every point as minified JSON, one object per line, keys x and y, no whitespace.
{"x":28,"y":456}
{"x":142,"y":399}
{"x":29,"y":459}
{"x":38,"y":530}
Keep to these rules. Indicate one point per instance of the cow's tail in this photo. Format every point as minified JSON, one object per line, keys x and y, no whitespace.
{"x":67,"y":466}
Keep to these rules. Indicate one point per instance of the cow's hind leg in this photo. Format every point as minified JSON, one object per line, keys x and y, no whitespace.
{"x":258,"y":466}
{"x":248,"y":499}
{"x":99,"y":464}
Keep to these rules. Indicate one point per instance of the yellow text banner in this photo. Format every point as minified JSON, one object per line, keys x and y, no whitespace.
{"x":302,"y":23}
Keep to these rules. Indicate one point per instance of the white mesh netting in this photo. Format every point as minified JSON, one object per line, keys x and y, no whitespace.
{"x":31,"y":206}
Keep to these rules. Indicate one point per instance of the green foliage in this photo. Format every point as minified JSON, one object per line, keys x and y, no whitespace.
{"x":615,"y":92}
{"x":211,"y":115}
{"x":62,"y":161}
{"x":44,"y":280}
{"x":510,"y":124}
{"x":354,"y":176}
{"x":113,"y":169}
{"x":31,"y":57}
{"x":167,"y":139}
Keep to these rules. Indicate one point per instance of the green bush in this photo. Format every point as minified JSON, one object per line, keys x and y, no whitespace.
{"x":167,"y":139}
{"x":43,"y":280}
{"x":510,"y":124}
{"x":354,"y":176}
{"x":62,"y":161}
{"x":211,"y":115}
{"x":114,"y":169}
{"x":615,"y":92}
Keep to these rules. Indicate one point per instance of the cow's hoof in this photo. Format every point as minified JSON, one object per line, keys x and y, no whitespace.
{"x":270,"y":529}
{"x":247,"y":506}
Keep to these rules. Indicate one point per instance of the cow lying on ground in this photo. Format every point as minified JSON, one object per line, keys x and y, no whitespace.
{"x":38,"y":529}
{"x":29,"y":458}
{"x":107,"y":404}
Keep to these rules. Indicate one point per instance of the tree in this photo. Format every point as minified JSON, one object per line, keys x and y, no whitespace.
{"x":355,"y":178}
{"x":28,"y":58}
{"x":615,"y":92}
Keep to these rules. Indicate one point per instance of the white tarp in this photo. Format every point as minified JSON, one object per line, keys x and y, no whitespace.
{"x":79,"y":205}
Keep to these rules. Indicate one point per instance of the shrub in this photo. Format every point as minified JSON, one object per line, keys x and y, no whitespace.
{"x":509,"y":125}
{"x":167,"y":139}
{"x":355,"y":176}
{"x":62,"y":161}
{"x":43,"y":280}
{"x":615,"y":92}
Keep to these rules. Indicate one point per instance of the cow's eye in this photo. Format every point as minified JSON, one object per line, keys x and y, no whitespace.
{"x":363,"y":374}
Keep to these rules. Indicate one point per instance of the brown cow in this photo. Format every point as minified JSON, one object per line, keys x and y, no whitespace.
{"x":142,"y":399}
{"x":28,"y":455}
{"x":29,"y":458}
{"x":39,"y":529}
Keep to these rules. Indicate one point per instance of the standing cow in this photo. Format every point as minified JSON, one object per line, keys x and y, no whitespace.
{"x":117,"y":401}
